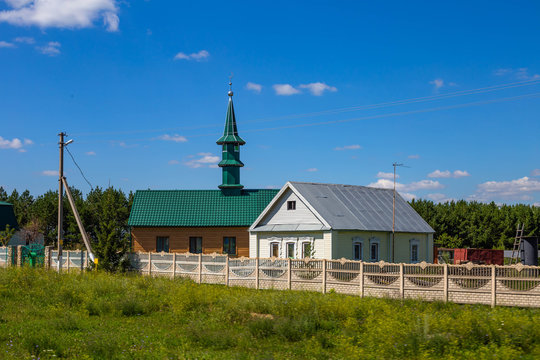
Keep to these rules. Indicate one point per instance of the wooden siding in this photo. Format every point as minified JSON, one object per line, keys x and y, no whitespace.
{"x":279,"y":215}
{"x":144,"y":239}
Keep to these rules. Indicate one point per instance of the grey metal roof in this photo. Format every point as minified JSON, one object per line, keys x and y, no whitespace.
{"x":351,"y":207}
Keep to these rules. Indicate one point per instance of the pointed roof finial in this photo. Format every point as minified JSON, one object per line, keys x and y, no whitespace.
{"x":230,"y":93}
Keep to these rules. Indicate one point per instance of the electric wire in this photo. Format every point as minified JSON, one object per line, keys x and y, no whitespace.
{"x":407,"y":101}
{"x":78,"y":167}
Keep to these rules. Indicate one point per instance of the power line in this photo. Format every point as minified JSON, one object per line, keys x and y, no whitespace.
{"x":407,"y":101}
{"x":370,"y":117}
{"x":78,"y":167}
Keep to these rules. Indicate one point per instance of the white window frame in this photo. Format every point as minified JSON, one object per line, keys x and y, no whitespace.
{"x":293,"y":205}
{"x":274,"y":242}
{"x":287,"y":249}
{"x":414,"y":242}
{"x":358,"y":241}
{"x":372,"y":241}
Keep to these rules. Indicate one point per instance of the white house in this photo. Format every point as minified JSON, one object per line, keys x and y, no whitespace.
{"x":329,"y":221}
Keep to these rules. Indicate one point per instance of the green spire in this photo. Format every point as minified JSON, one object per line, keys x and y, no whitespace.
{"x":230,"y":134}
{"x":231,"y":142}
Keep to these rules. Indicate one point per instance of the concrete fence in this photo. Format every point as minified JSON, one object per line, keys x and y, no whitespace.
{"x":516,"y":285}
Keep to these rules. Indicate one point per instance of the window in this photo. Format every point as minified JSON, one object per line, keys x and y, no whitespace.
{"x":291,"y":205}
{"x":290,"y":250}
{"x":229,"y":245}
{"x":307,"y":250}
{"x":162,"y":244}
{"x":357,"y":250}
{"x":236,"y":148}
{"x":374,"y":250}
{"x":274,"y":249}
{"x":414,"y":250}
{"x":195,"y":245}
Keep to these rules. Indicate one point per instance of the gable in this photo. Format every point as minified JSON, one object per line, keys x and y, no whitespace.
{"x":279,"y":215}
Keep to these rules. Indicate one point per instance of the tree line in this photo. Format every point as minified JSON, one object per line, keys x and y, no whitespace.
{"x":104,"y":213}
{"x":462,"y":224}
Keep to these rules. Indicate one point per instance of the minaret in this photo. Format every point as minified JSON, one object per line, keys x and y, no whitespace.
{"x":231,"y":142}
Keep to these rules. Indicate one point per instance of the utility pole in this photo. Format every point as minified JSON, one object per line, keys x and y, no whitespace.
{"x":394,"y":214}
{"x":60,"y":200}
{"x":61,"y":183}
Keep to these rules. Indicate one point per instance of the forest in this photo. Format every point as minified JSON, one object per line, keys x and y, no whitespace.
{"x":105,"y":213}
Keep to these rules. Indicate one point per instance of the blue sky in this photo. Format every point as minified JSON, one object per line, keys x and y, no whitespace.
{"x":325,"y":91}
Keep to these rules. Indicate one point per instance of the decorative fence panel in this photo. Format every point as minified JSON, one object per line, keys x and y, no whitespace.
{"x":516,"y":285}
{"x":72,"y":260}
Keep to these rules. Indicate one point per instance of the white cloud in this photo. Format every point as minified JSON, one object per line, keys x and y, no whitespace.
{"x":414,"y":186}
{"x":318,"y":88}
{"x":461,"y":173}
{"x":519,"y":73}
{"x":271,"y":187}
{"x":61,"y":13}
{"x":198,"y":56}
{"x":25,"y":40}
{"x":386,"y":175}
{"x":437,"y":83}
{"x":202,"y":160}
{"x":348,"y":147}
{"x":285,"y":89}
{"x":176,"y":138}
{"x":535,"y":172}
{"x":448,"y":174}
{"x":519,"y":189}
{"x":49,"y":173}
{"x":90,"y":153}
{"x":174,"y":162}
{"x":312,"y":169}
{"x":5,"y":44}
{"x":414,"y":156}
{"x":52,"y":48}
{"x":15,"y":144}
{"x":439,"y":198}
{"x":254,"y":87}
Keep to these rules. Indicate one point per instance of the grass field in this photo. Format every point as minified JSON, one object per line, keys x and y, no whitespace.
{"x":102,"y":316}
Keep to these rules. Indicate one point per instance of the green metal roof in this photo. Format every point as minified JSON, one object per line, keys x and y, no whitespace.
{"x":230,"y":134}
{"x":198,"y":208}
{"x":7,"y":216}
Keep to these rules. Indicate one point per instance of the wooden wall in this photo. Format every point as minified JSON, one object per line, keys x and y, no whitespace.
{"x":144,"y":239}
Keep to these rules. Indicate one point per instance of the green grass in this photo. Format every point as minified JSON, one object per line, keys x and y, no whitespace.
{"x":101,"y":316}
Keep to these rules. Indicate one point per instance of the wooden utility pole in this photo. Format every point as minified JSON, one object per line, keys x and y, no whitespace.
{"x":60,"y":200}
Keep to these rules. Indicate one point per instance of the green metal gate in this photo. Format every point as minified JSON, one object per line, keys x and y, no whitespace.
{"x":33,"y":255}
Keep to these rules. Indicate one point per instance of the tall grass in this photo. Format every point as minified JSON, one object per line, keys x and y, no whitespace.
{"x":95,"y":315}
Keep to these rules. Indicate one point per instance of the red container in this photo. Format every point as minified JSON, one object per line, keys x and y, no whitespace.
{"x":479,"y":256}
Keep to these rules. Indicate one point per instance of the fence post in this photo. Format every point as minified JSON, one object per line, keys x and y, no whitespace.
{"x":324,"y":276}
{"x":150,"y":263}
{"x":401,"y":281}
{"x":200,"y":268}
{"x":47,"y":260}
{"x":174,"y":266}
{"x":82,"y":260}
{"x":493,"y":286}
{"x":361,"y":279}
{"x":445,"y":283}
{"x":19,"y":255}
{"x":67,"y":260}
{"x":227,"y":270}
{"x":257,"y":273}
{"x":289,"y":277}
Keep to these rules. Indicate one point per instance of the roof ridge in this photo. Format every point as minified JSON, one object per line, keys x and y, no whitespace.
{"x":344,"y":185}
